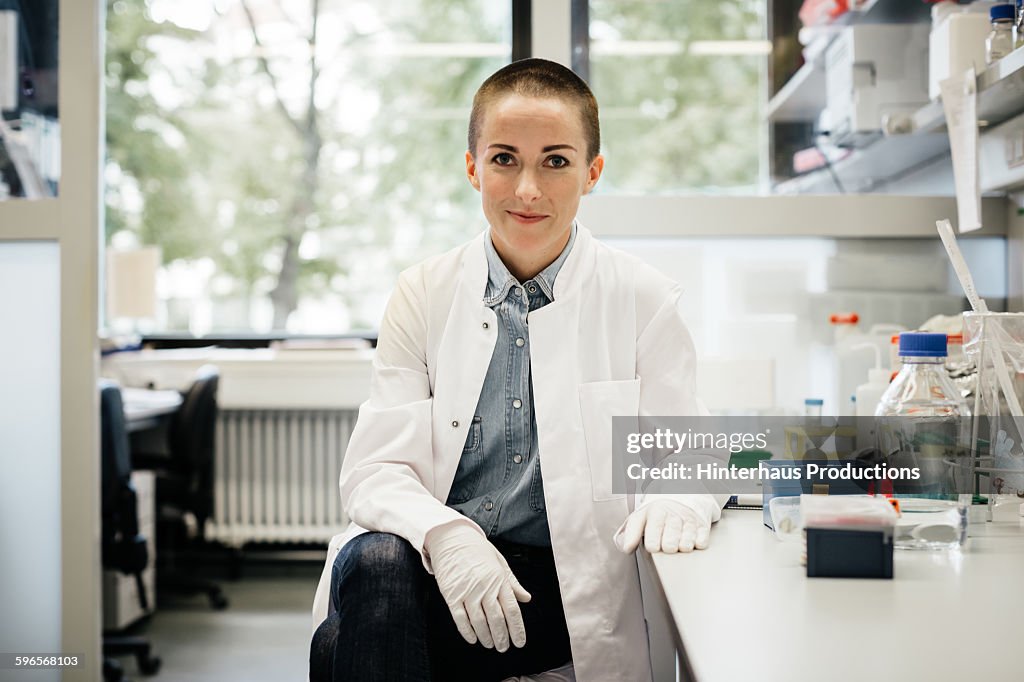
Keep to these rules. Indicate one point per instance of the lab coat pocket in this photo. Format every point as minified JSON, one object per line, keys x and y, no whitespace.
{"x":599,"y":402}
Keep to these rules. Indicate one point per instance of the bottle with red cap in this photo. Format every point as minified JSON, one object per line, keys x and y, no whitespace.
{"x":923,"y":432}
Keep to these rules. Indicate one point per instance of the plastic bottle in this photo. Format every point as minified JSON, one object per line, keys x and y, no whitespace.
{"x":867,"y":397}
{"x":922,"y":426}
{"x":1000,"y":40}
{"x":869,"y":394}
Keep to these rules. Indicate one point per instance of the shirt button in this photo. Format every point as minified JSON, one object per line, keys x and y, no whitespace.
{"x":489,"y":506}
{"x":516,"y":292}
{"x":486,"y":325}
{"x":455,"y":424}
{"x":533,"y":289}
{"x":517,"y":403}
{"x":520,"y":342}
{"x":517,"y":459}
{"x":519,"y":291}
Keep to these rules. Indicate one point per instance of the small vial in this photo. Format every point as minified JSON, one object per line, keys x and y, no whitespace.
{"x":812,"y":408}
{"x":1000,"y":40}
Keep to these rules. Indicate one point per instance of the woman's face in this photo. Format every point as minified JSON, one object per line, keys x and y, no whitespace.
{"x":531,"y":169}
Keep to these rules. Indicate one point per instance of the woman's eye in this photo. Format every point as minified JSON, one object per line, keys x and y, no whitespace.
{"x":503,"y":159}
{"x":558,"y":161}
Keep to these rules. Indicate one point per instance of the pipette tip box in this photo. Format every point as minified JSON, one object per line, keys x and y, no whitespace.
{"x":848,"y":553}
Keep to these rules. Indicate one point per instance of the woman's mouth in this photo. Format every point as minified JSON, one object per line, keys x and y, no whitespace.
{"x":527,"y":218}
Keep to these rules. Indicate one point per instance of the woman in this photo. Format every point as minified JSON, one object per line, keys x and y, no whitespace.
{"x":487,"y":539}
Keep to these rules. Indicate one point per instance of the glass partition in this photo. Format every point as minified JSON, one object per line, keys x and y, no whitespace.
{"x":30,"y":450}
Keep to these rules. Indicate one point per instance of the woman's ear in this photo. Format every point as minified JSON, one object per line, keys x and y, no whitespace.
{"x":594,"y":173}
{"x":474,"y":179}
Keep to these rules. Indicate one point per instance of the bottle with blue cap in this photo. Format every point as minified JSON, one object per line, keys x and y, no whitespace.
{"x":923,"y":431}
{"x":1000,"y":40}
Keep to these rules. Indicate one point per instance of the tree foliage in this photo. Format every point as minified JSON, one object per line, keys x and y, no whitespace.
{"x":214,"y":151}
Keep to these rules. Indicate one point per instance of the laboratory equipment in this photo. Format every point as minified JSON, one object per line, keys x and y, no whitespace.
{"x":867,"y":397}
{"x":869,"y":394}
{"x":812,"y":407}
{"x":1000,"y":41}
{"x":848,"y":536}
{"x":957,"y":40}
{"x":846,"y":553}
{"x":922,"y":424}
{"x":874,"y":73}
{"x":785,"y":517}
{"x":853,"y":364}
{"x":923,"y":429}
{"x":995,"y":341}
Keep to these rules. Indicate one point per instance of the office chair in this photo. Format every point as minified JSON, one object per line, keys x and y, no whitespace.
{"x":123,"y":547}
{"x":184,"y":486}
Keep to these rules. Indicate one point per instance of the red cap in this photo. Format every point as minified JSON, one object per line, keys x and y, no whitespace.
{"x":844,"y":318}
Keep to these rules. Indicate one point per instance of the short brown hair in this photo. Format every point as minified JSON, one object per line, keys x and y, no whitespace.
{"x":538,"y":78}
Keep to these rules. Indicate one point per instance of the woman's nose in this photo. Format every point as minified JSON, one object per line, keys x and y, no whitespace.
{"x":528,"y":189}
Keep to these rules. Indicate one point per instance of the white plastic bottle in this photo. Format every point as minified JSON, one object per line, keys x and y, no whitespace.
{"x":867,"y":397}
{"x":869,"y":394}
{"x":923,"y":428}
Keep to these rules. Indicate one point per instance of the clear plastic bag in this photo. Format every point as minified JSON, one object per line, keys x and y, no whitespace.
{"x":995,"y":342}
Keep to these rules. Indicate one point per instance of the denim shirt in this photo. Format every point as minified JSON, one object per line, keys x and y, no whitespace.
{"x":498,"y":483}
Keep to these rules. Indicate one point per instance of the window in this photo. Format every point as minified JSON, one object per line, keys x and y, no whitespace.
{"x":680,"y":85}
{"x":291,"y":158}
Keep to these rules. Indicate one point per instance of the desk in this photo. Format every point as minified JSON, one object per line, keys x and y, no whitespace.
{"x":744,"y":610}
{"x":143,"y":408}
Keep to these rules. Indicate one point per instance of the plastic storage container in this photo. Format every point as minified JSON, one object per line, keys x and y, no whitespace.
{"x":957,"y":40}
{"x":923,"y":425}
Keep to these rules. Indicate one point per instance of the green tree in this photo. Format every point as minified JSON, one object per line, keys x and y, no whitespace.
{"x":679,"y":121}
{"x":150,"y":147}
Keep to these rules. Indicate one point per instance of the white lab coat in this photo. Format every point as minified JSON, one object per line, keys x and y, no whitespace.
{"x":611,"y":343}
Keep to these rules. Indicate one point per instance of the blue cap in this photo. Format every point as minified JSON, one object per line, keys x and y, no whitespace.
{"x":922,"y":345}
{"x":814,"y":401}
{"x":1001,"y":12}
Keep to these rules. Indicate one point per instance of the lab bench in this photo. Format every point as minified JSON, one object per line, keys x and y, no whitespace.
{"x":743,"y":609}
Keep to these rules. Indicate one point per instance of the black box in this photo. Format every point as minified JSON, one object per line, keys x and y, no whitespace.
{"x":848,"y":553}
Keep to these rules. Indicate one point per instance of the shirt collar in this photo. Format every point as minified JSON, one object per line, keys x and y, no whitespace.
{"x":500,"y":280}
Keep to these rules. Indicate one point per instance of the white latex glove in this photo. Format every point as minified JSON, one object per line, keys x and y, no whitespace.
{"x":478,"y":586}
{"x":665,"y":525}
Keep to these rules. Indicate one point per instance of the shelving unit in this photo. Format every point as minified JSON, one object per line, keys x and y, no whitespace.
{"x":1000,"y":97}
{"x":802,"y":97}
{"x":833,"y":216}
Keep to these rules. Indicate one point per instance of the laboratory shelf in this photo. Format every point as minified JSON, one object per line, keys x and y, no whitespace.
{"x":802,"y":97}
{"x":864,"y":169}
{"x":1000,"y":97}
{"x":885,"y":12}
{"x":837,"y":216}
{"x":1000,"y":89}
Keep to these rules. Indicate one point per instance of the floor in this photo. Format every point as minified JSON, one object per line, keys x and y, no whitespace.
{"x":263,"y":635}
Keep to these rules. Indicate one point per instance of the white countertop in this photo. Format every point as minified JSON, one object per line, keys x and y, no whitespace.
{"x":745,"y":610}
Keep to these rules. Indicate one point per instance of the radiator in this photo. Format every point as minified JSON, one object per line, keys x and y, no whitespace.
{"x":276,"y":475}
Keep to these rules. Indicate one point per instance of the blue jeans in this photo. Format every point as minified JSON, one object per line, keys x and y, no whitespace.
{"x":391,"y":623}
